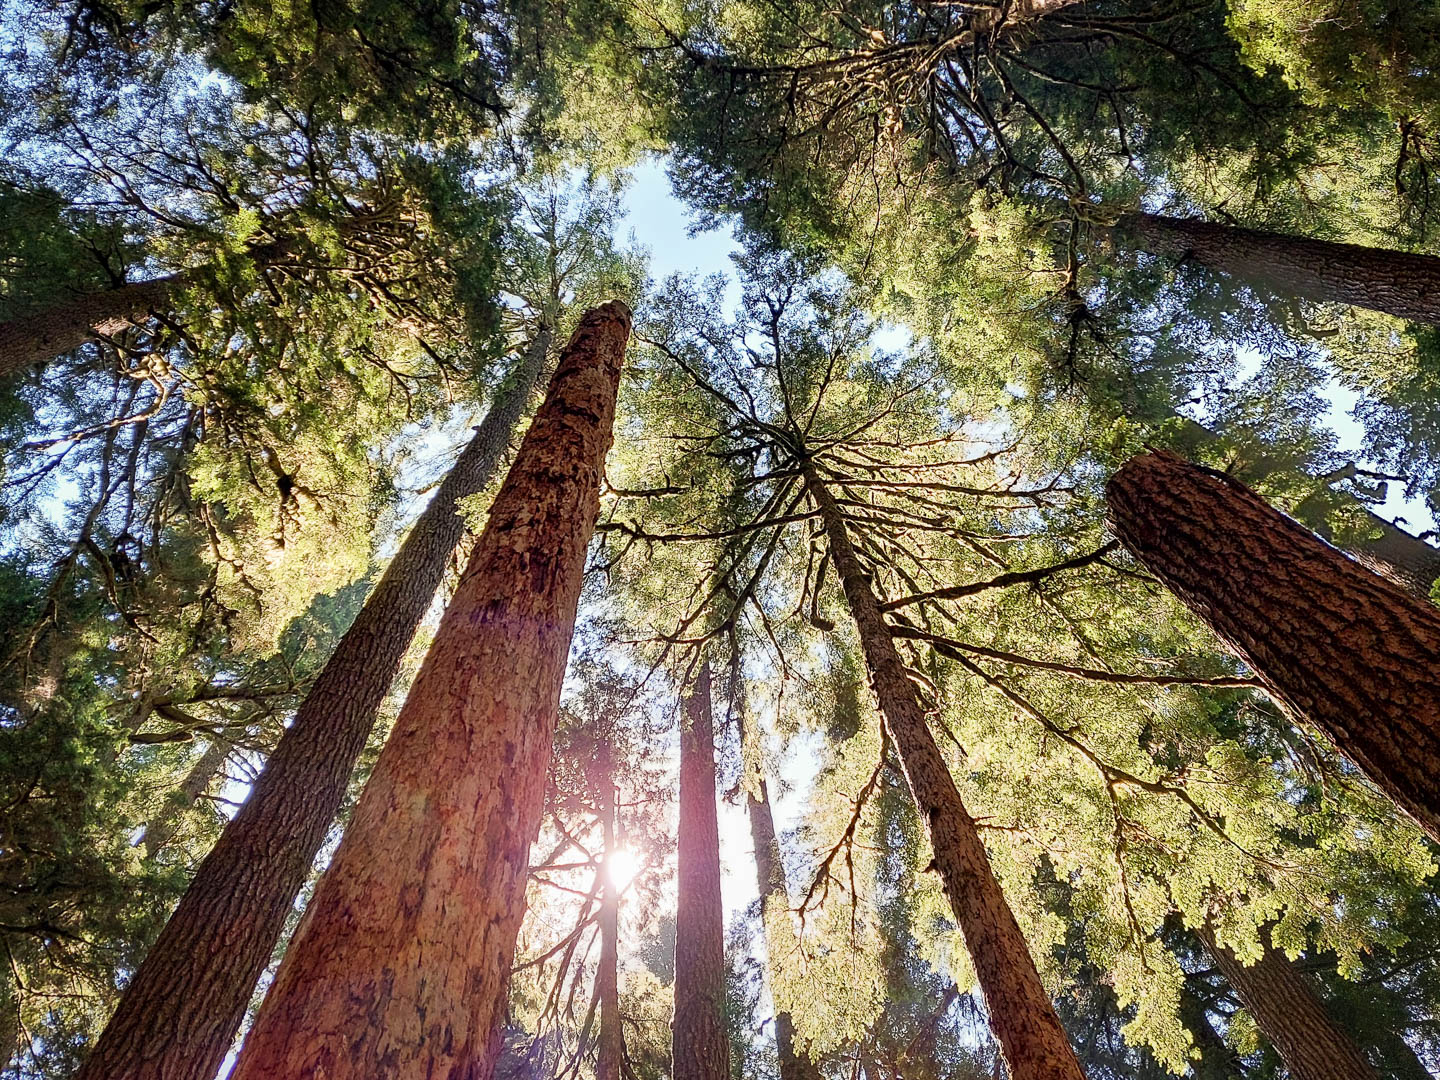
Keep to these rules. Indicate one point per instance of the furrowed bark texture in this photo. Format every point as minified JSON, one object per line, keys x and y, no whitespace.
{"x":1395,"y":282}
{"x":1021,"y":1015}
{"x":775,"y":907}
{"x":699,"y":1045}
{"x":179,"y":1016}
{"x":1286,"y":1009}
{"x":401,"y":963}
{"x":1389,"y":550}
{"x":610,"y":1048}
{"x":1333,"y":643}
{"x":34,"y":339}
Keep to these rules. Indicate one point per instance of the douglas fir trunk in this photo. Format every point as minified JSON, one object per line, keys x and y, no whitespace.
{"x":1381,"y":546}
{"x":700,"y":1048}
{"x":1021,"y":1014}
{"x":1334,"y":643}
{"x":179,"y":1016}
{"x":1286,"y":1009}
{"x":401,"y":963}
{"x":1394,"y":282}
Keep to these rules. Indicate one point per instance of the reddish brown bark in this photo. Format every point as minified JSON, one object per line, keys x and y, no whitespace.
{"x":179,"y":1015}
{"x":401,"y":964}
{"x":610,"y":1046}
{"x":1382,"y":546}
{"x":1333,"y":642}
{"x":1021,"y":1015}
{"x":1292,"y":1017}
{"x":699,"y":1046}
{"x":1396,"y":282}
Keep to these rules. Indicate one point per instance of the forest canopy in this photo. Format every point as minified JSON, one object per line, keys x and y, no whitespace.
{"x":660,"y":540}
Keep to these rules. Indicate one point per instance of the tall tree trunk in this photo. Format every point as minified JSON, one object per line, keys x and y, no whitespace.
{"x":1388,"y":550}
{"x":1218,"y":1060}
{"x":1395,"y":282}
{"x":179,"y":1016}
{"x":610,"y":1050}
{"x":401,"y":964}
{"x":162,"y":828}
{"x":1333,"y":643}
{"x":1021,"y":1014}
{"x":1286,"y":1009}
{"x":775,"y":909}
{"x":44,"y":335}
{"x":699,"y":1045}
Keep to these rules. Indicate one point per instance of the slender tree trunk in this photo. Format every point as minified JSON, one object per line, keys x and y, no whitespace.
{"x":34,"y":339}
{"x":179,"y":1016}
{"x":1286,"y":1009}
{"x":1218,"y":1060}
{"x":1021,"y":1014}
{"x":610,"y":1051}
{"x":1388,"y":550}
{"x":1333,"y":643}
{"x":161,"y":830}
{"x":775,"y":908}
{"x":401,"y":964}
{"x":1395,"y":282}
{"x":700,"y":1048}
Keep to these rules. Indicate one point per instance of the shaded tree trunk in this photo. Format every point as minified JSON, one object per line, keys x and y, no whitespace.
{"x":1021,"y":1014}
{"x":1292,"y":1017}
{"x":401,"y":964}
{"x":44,"y":335}
{"x":775,"y":908}
{"x":1218,"y":1060}
{"x":1333,"y":643}
{"x":179,"y":1016}
{"x":1396,"y":282}
{"x":1388,"y":550}
{"x":610,"y":1050}
{"x":699,"y":1045}
{"x":162,"y":829}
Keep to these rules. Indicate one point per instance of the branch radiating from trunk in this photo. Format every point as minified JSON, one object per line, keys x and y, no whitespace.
{"x":1021,"y":1014}
{"x":1398,"y":283}
{"x":179,"y":1015}
{"x":699,"y":1044}
{"x":1333,"y":643}
{"x":401,"y":964}
{"x":1293,"y":1018}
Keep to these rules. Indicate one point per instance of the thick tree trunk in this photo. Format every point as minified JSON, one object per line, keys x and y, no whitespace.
{"x":34,"y":339}
{"x":181,"y":1011}
{"x":162,"y":829}
{"x":1286,"y":1009}
{"x":1395,"y":282}
{"x":699,"y":1045}
{"x":610,"y":1049}
{"x":775,"y":910}
{"x":401,"y":964}
{"x":1021,"y":1014}
{"x":1333,"y":643}
{"x":1389,"y":550}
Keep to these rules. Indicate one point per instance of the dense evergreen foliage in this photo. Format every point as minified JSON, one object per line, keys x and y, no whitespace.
{"x":1009,"y":780}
